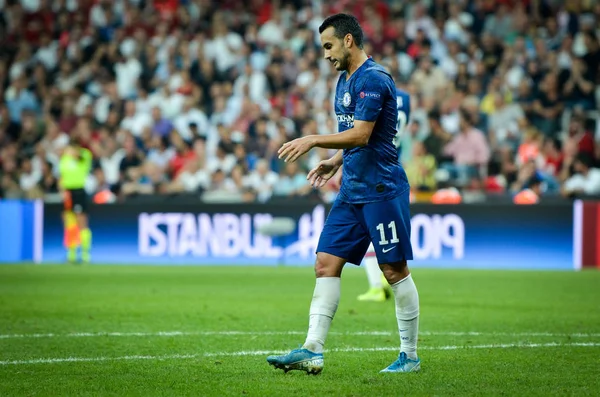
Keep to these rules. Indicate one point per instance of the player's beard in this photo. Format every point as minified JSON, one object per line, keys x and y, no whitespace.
{"x":343,"y":63}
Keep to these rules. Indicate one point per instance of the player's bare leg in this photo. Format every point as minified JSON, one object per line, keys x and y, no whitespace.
{"x":325,"y":300}
{"x":407,"y":313}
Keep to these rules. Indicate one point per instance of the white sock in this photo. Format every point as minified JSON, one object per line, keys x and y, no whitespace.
{"x":407,"y":314}
{"x":373,"y":272}
{"x":322,"y":309}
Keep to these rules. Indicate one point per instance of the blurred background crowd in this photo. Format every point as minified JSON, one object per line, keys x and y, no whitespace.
{"x":195,"y":96}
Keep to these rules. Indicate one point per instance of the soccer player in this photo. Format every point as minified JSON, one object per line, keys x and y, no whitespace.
{"x":373,"y":202}
{"x":74,"y":166}
{"x":379,"y":288}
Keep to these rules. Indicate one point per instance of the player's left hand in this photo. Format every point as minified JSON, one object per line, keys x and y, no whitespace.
{"x":290,"y":151}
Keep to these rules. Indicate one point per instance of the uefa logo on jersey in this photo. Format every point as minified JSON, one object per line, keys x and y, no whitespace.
{"x":369,"y":95}
{"x":347,"y":99}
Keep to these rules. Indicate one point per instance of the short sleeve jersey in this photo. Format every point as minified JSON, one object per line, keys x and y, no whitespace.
{"x":370,"y":173}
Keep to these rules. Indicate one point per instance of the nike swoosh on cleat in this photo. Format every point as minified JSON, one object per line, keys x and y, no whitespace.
{"x":389,"y":249}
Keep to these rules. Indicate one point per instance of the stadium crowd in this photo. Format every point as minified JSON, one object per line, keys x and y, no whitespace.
{"x":196,"y":96}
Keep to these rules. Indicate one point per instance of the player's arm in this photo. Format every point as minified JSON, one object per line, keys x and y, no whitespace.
{"x":368,"y":106}
{"x":325,"y":170}
{"x":354,"y":137}
{"x":338,"y":158}
{"x":86,"y":158}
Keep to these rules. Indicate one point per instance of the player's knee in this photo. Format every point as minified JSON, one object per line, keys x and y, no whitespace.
{"x":395,"y":272}
{"x":328,"y":266}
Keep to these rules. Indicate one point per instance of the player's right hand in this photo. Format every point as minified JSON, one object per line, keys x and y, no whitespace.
{"x":323,"y":172}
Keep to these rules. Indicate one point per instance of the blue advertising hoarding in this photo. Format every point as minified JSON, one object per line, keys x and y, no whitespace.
{"x":502,"y":236}
{"x":21,"y":224}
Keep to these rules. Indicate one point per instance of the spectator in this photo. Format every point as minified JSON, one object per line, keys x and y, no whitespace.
{"x":505,"y":123}
{"x":29,"y":178}
{"x":579,"y":134}
{"x":437,"y":138}
{"x":552,"y":157}
{"x":223,"y":160}
{"x":183,"y":154}
{"x":578,"y":86}
{"x":217,"y":183}
{"x":500,"y":23}
{"x":48,"y":182}
{"x":262,"y":180}
{"x":111,"y":157}
{"x":429,"y":78}
{"x":18,"y":99}
{"x":141,"y":180}
{"x":160,"y":125}
{"x":160,"y":154}
{"x":193,"y":178}
{"x":586,"y":179}
{"x":548,"y":106}
{"x":469,"y":151}
{"x":135,"y":121}
{"x":238,"y":182}
{"x":592,"y":57}
{"x":292,"y":182}
{"x":421,"y":169}
{"x":525,"y":98}
{"x":408,"y":140}
{"x":529,"y":149}
{"x":191,"y":123}
{"x":29,"y":134}
{"x":531,"y":193}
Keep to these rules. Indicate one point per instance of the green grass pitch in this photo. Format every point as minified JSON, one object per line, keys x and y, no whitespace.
{"x":205,"y":331}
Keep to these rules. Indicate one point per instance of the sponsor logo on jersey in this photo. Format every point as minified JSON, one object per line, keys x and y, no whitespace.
{"x":347,"y":119}
{"x":364,"y":94}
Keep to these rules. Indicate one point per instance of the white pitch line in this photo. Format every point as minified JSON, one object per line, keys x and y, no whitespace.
{"x":258,"y":333}
{"x":266,"y":352}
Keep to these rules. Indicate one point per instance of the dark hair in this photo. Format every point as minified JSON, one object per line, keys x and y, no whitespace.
{"x":534,"y":181}
{"x":75,"y":142}
{"x":466,"y":116}
{"x":593,"y":38}
{"x":164,"y":141}
{"x":556,"y":143}
{"x":585,"y":159}
{"x":434,"y":115}
{"x":344,"y":24}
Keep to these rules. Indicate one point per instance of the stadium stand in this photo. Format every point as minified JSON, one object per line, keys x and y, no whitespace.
{"x":194,"y":97}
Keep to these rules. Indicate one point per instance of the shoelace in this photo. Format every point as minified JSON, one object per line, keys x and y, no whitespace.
{"x":401,"y":359}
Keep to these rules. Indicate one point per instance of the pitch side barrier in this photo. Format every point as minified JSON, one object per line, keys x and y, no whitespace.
{"x":483,"y":236}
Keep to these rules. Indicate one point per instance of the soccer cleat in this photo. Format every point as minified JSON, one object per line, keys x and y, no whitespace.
{"x":299,"y":359}
{"x":86,"y":257}
{"x":404,"y":364}
{"x":374,"y":295}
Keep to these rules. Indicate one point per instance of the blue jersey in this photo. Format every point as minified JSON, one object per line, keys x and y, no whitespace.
{"x":371,"y":173}
{"x":403,"y":105}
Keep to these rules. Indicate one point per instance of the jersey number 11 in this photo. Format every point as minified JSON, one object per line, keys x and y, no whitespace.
{"x":382,"y":239}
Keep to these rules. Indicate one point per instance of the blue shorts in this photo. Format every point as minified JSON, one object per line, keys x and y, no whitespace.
{"x":350,"y":228}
